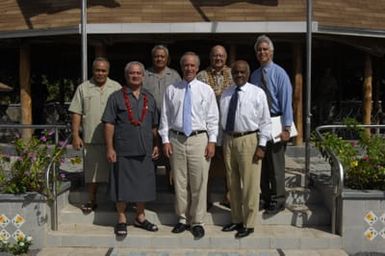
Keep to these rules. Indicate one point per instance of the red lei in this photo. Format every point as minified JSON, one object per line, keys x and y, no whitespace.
{"x":129,"y":108}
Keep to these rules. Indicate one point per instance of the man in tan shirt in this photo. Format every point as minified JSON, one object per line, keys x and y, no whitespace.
{"x":87,"y":107}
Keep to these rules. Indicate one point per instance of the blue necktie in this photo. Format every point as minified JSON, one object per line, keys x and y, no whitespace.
{"x":187,"y":126}
{"x":265,"y":87}
{"x":232,"y":109}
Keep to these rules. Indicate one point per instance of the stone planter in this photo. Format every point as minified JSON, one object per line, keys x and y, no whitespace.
{"x":363,"y":221}
{"x":28,"y":213}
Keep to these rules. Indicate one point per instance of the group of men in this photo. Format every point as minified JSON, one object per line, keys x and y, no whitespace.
{"x":214,"y":115}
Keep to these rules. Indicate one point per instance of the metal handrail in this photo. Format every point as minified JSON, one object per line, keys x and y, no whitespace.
{"x":52,"y":164}
{"x":51,"y":193}
{"x":337,"y":173}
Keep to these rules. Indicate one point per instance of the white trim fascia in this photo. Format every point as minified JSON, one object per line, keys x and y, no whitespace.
{"x":198,"y":27}
{"x":361,"y":32}
{"x":40,"y":32}
{"x":194,"y":28}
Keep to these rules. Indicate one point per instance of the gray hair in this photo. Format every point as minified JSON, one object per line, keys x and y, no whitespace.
{"x":197,"y":60}
{"x":131,"y":63}
{"x":100,"y":59}
{"x":159,"y":47}
{"x":218,"y":46}
{"x":264,"y":39}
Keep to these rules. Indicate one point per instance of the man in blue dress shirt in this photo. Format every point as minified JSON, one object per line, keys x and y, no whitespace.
{"x":274,"y":80}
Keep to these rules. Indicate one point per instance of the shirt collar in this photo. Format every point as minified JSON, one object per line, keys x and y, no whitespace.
{"x":106,"y":84}
{"x":221,"y":72}
{"x":129,"y":90}
{"x":167,"y":71}
{"x":185,"y":82}
{"x":241,"y":88}
{"x":267,"y":66}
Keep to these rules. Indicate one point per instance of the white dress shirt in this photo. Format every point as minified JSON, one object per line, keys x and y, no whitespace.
{"x":252,"y":111}
{"x":205,"y":114}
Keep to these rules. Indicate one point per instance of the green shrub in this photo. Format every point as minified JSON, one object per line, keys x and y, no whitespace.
{"x":363,"y":159}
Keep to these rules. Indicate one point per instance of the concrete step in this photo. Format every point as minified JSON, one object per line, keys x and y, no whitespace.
{"x":81,"y":251}
{"x":294,"y":195}
{"x":294,"y":177}
{"x":296,"y":215}
{"x":264,"y":237}
{"x":230,"y":252}
{"x":301,"y":195}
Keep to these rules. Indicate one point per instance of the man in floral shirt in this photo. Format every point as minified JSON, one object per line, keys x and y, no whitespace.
{"x":218,"y":76}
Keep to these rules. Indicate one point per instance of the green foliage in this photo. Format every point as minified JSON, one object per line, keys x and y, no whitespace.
{"x":25,"y":171}
{"x":19,"y":248}
{"x":363,"y":160}
{"x":59,"y":90}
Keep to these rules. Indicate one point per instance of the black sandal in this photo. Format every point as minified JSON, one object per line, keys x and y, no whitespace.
{"x":146,"y":225}
{"x":88,"y":207}
{"x":121,"y":229}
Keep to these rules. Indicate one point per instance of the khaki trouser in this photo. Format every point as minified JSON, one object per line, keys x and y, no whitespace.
{"x":190,"y":170}
{"x":243,"y":177}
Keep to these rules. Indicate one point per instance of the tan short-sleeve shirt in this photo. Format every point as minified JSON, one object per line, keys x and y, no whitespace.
{"x":90,"y":101}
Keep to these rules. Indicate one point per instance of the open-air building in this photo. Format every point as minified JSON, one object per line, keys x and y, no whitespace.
{"x":44,"y":38}
{"x":42,"y":44}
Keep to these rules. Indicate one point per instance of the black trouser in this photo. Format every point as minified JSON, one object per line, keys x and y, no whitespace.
{"x":273,"y":173}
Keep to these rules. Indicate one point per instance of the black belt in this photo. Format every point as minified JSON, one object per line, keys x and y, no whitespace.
{"x":275,"y":115}
{"x":193,"y":133}
{"x":240,"y":134}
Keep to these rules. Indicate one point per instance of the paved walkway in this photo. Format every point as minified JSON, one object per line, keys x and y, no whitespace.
{"x":183,"y":252}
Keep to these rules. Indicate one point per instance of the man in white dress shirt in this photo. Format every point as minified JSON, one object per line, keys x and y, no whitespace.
{"x":245,"y":119}
{"x":189,"y":129}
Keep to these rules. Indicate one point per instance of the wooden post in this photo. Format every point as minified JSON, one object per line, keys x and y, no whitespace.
{"x":25,"y":89}
{"x":298,"y":92}
{"x":367,"y":89}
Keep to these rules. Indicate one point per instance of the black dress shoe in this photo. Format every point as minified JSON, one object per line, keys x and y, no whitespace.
{"x":232,"y":227}
{"x":263,"y":205}
{"x":198,"y":231}
{"x":179,"y":228}
{"x":274,"y":208}
{"x":244,"y":232}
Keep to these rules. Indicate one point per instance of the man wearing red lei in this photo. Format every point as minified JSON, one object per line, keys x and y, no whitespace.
{"x":130,"y":122}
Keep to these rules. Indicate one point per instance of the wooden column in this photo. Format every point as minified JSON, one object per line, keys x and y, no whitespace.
{"x":25,"y":88}
{"x":298,"y":92}
{"x":367,"y":89}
